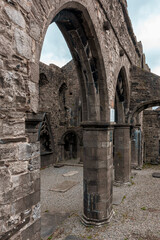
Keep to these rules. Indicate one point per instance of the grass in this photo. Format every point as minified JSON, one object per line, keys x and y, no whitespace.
{"x":49,"y":238}
{"x":124,"y":197}
{"x":144,"y":208}
{"x":89,"y":237}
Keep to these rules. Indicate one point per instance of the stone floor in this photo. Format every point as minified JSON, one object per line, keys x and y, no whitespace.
{"x":136,"y":207}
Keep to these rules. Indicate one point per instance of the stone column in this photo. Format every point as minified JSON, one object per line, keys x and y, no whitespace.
{"x":136,"y":152}
{"x":98,"y":173}
{"x":140,"y":159}
{"x":134,"y":148}
{"x":122,"y":156}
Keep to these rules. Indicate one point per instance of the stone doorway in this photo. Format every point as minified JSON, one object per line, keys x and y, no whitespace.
{"x":70,"y":146}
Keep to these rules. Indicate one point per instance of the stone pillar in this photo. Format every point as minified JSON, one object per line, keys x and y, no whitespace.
{"x":134,"y":148}
{"x":136,"y":152}
{"x":98,"y":173}
{"x":122,"y":156}
{"x":140,"y":159}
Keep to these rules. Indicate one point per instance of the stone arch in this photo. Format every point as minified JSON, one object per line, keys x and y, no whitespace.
{"x":84,"y":45}
{"x":122,"y":94}
{"x":79,"y":136}
{"x":122,"y":130}
{"x":140,"y":107}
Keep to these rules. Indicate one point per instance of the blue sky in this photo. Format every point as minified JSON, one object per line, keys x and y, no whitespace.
{"x":55,"y":49}
{"x":145,"y":17}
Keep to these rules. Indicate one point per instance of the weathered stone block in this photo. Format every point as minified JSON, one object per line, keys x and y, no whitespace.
{"x":15,"y":16}
{"x":23,"y":43}
{"x":5,"y":179}
{"x":8,"y":152}
{"x":34,"y":30}
{"x":18,"y":167}
{"x":24,"y":151}
{"x":33,"y":89}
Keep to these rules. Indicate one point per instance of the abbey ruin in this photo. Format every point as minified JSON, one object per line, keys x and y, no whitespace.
{"x":93,"y":109}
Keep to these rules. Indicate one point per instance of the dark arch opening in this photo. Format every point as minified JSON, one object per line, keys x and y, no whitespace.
{"x":121,"y":97}
{"x":43,"y":79}
{"x":62,"y":96}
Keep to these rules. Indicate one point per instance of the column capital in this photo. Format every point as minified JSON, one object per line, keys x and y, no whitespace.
{"x":123,"y":125}
{"x":97,"y":125}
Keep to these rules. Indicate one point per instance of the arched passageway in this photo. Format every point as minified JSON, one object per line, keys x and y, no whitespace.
{"x":138,"y":152}
{"x":76,"y":26}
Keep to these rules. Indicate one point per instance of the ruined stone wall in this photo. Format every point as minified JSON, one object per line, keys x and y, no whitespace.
{"x":62,"y":116}
{"x":73,"y":94}
{"x":145,"y":88}
{"x":151,"y":130}
{"x":23,"y":26}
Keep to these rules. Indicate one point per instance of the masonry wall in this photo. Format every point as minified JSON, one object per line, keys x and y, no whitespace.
{"x":63,"y":114}
{"x":151,"y":130}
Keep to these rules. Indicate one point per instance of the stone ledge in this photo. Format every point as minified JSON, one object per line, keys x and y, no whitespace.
{"x":12,"y":140}
{"x":97,"y":125}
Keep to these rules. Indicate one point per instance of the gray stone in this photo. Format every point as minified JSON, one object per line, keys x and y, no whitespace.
{"x":50,"y":222}
{"x":156,"y":175}
{"x":23,"y":43}
{"x":34,"y":30}
{"x":36,"y":212}
{"x":64,"y":186}
{"x":15,"y":16}
{"x":24,"y":151}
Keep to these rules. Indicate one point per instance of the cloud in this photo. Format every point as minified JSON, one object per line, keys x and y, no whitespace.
{"x":145,"y":17}
{"x":147,"y":32}
{"x":49,"y":58}
{"x":55,"y":49}
{"x":156,"y":69}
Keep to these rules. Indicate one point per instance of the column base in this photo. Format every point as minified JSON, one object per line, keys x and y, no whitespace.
{"x":93,"y":222}
{"x":118,"y":184}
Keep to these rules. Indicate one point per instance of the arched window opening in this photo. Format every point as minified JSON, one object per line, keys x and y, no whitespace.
{"x":62,"y":96}
{"x":121,"y":100}
{"x":43,"y":79}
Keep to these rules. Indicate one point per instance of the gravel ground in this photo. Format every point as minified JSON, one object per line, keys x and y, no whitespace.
{"x":136,"y":218}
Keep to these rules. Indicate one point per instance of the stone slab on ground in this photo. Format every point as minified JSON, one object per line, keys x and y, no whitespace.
{"x":50,"y":223}
{"x":156,"y":175}
{"x":69,"y":174}
{"x":117,"y":198}
{"x":64,"y":186}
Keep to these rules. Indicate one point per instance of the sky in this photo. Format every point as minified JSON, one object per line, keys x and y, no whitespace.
{"x":145,"y":17}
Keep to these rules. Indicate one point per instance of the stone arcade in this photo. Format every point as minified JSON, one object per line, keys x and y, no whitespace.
{"x":112,"y":74}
